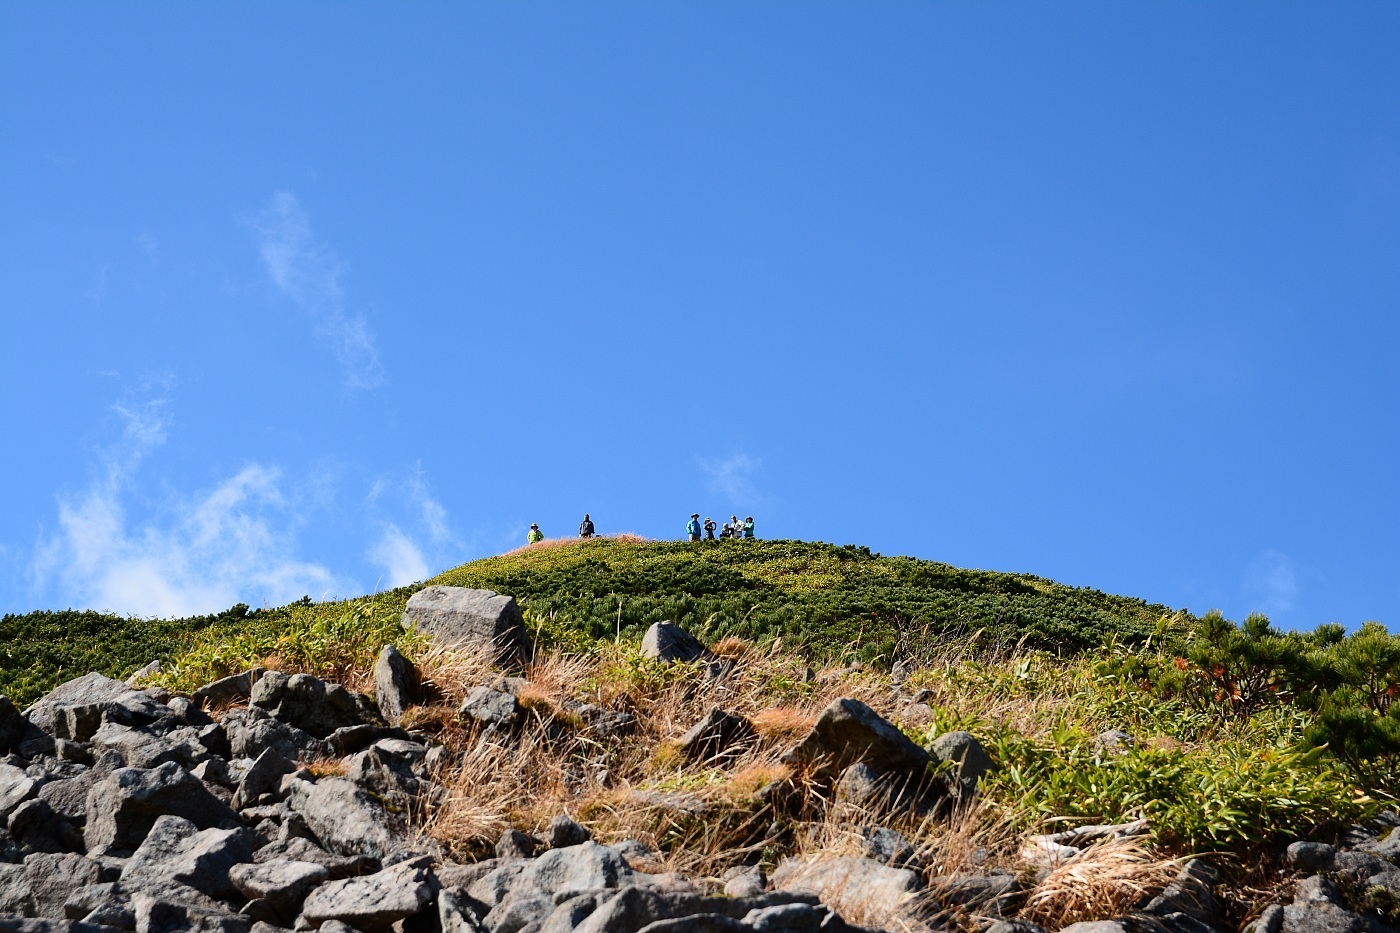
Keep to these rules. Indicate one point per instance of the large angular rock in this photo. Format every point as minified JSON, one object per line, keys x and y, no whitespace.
{"x":491,"y":707}
{"x":851,"y":884}
{"x":583,"y":867}
{"x":719,"y":735}
{"x":1318,"y":907}
{"x":236,"y":688}
{"x":395,"y":684}
{"x":667,"y":642}
{"x":252,"y":732}
{"x":387,"y":768}
{"x":468,"y":618}
{"x":155,"y":915}
{"x":374,"y":902}
{"x":175,"y":850}
{"x":90,"y":691}
{"x":262,"y":779}
{"x":53,"y":877}
{"x":16,"y":900}
{"x":344,"y":818}
{"x":848,"y":731}
{"x":140,"y":748}
{"x":16,"y":786}
{"x":283,"y":884}
{"x":122,"y":807}
{"x":310,"y":704}
{"x":968,"y":761}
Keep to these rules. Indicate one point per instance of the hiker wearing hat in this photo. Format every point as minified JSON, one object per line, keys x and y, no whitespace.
{"x":535,"y":536}
{"x":692,"y":527}
{"x":748,"y":528}
{"x":709,"y":529}
{"x":736,"y":527}
{"x":585,"y":527}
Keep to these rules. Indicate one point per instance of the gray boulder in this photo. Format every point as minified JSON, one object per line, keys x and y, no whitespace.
{"x":888,"y":847}
{"x":374,"y":902}
{"x":90,"y":691}
{"x":253,"y":731}
{"x":262,"y":780}
{"x":1311,"y":856}
{"x":36,"y":826}
{"x":68,"y":796}
{"x":968,"y":761}
{"x":1319,"y":907}
{"x":16,"y":900}
{"x":122,"y":807}
{"x":455,"y":913}
{"x":281,"y":883}
{"x":564,"y":832}
{"x":667,"y":642}
{"x":583,"y":867}
{"x":467,"y":618}
{"x":304,"y":850}
{"x":848,"y":731}
{"x":395,"y":684}
{"x":851,"y":884}
{"x":745,"y":881}
{"x":1192,"y":893}
{"x":515,"y":844}
{"x":16,"y":786}
{"x":155,"y":915}
{"x":176,"y":850}
{"x":985,"y":895}
{"x":53,"y":877}
{"x":310,"y":704}
{"x":389,"y":767}
{"x":491,"y":707}
{"x":344,"y":818}
{"x":719,"y":735}
{"x":236,"y":688}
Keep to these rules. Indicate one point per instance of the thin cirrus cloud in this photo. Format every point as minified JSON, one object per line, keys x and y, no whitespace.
{"x":192,"y":555}
{"x":401,"y":557}
{"x":1271,"y":582}
{"x":309,"y":273}
{"x":732,"y":478}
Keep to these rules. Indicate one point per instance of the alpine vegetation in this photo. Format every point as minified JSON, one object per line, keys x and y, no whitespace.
{"x":620,"y":735}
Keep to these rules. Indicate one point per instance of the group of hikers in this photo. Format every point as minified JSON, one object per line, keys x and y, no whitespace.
{"x":731,"y":529}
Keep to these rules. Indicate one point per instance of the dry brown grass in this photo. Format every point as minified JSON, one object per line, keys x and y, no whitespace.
{"x":625,"y":537}
{"x":1107,"y":880}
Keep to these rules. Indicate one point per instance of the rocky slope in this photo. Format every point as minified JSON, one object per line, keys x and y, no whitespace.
{"x":491,"y":786}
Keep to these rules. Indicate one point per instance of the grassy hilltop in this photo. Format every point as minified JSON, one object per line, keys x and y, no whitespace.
{"x":831,"y":603}
{"x":1242,"y":737}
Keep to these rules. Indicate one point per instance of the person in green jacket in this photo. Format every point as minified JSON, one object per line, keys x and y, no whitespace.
{"x":748,"y":528}
{"x":535,"y":536}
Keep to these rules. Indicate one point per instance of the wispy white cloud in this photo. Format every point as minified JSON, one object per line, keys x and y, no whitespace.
{"x":404,"y":558}
{"x":190,"y":554}
{"x":401,"y":559}
{"x":309,"y":273}
{"x":148,"y":245}
{"x":733,"y":479}
{"x":1271,"y":583}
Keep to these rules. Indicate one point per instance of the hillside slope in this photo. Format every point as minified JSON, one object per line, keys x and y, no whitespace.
{"x":830,"y":602}
{"x":834,"y":601}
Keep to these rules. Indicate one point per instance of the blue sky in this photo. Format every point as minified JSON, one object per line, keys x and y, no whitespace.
{"x":318,"y":299}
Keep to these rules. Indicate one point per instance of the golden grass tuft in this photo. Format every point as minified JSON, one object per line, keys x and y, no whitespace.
{"x":1106,"y":880}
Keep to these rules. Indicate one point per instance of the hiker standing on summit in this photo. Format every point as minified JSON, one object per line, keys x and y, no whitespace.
{"x":710,"y":529}
{"x":535,"y":536}
{"x":692,"y":527}
{"x":585,"y":527}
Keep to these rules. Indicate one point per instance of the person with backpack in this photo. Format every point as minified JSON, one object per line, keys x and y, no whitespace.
{"x":692,"y":527}
{"x":748,"y":528}
{"x":535,"y":536}
{"x":736,"y":528}
{"x":585,"y":527}
{"x":710,"y":529}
